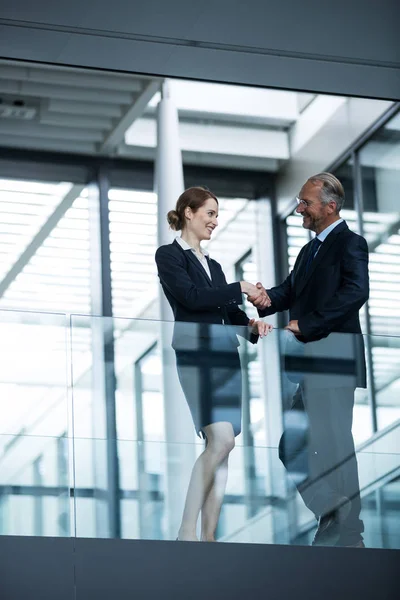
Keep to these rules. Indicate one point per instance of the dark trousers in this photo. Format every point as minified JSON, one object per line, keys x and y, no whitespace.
{"x":322,"y":454}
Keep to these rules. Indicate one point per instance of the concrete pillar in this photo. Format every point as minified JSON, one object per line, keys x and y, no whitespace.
{"x":179,"y":449}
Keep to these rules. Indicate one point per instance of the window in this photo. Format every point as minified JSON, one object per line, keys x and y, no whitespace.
{"x":380,"y":172}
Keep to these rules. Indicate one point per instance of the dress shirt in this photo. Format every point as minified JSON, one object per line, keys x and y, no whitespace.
{"x":202,"y":259}
{"x":324,"y":234}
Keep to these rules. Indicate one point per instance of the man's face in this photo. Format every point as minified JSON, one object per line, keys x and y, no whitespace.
{"x":316,"y":215}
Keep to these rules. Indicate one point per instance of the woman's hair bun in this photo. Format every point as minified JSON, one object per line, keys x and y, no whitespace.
{"x":174,"y":220}
{"x":192,"y":198}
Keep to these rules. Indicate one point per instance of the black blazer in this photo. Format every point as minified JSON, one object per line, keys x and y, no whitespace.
{"x":194,"y":298}
{"x":329,"y":296}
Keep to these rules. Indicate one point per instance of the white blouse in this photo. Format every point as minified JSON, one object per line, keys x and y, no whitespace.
{"x":202,"y":259}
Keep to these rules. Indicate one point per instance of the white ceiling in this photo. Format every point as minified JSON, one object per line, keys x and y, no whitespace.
{"x":63,"y":109}
{"x":75,"y":110}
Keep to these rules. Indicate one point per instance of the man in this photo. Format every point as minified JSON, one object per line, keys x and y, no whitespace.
{"x":324,"y":293}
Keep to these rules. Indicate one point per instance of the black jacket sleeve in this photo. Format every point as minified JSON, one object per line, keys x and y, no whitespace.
{"x":174,"y":277}
{"x":238,"y":317}
{"x":348,"y":299}
{"x":281,"y":295}
{"x":280,"y":298}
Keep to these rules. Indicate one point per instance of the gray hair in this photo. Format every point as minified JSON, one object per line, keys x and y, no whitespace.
{"x":331,"y":190}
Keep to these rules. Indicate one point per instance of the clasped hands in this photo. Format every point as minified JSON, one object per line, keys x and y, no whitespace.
{"x":257,"y":295}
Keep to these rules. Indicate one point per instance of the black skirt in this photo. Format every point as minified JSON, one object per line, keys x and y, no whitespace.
{"x":212,"y":384}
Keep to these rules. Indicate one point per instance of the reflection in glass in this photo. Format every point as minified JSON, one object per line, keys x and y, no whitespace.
{"x":34,"y":452}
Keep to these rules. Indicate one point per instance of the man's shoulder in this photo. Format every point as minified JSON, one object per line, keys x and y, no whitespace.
{"x":351,"y":236}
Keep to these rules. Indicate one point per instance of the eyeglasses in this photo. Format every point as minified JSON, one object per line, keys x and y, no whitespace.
{"x":305,"y":203}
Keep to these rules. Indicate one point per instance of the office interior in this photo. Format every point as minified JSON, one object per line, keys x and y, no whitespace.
{"x":90,"y":162}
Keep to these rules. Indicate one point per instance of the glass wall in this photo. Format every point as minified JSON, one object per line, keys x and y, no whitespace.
{"x":34,"y":450}
{"x":64,"y":473}
{"x":380,"y":183}
{"x":145,"y":495}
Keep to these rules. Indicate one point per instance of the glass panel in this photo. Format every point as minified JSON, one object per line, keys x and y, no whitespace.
{"x":33,"y":373}
{"x":34,"y":486}
{"x":142,"y":398}
{"x":34,"y":447}
{"x":380,"y":169}
{"x":382,"y":505}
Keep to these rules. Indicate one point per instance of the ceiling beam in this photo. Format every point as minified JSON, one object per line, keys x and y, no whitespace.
{"x":204,"y":138}
{"x":71,"y":77}
{"x":39,"y":238}
{"x":206,"y":159}
{"x":70,"y":120}
{"x":21,"y":143}
{"x":56,"y":132}
{"x":116,"y":135}
{"x":64,"y":92}
{"x":75,"y":107}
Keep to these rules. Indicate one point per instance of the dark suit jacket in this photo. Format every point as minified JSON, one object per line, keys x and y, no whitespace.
{"x":195,"y":299}
{"x":328,"y":297}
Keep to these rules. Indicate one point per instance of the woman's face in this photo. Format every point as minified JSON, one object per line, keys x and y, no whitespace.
{"x":202,"y":222}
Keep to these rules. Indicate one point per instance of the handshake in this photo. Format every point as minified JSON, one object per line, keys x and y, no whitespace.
{"x":256,"y":294}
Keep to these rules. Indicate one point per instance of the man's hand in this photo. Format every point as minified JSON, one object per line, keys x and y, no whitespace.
{"x":260,"y":328}
{"x":259,"y":297}
{"x":293,"y":326}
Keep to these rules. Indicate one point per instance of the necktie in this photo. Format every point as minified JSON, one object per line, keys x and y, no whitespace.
{"x":314,"y":246}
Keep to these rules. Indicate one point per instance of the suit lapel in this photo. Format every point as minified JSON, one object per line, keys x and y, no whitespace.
{"x":214,"y":273}
{"x":299,"y":269}
{"x":189,"y":254}
{"x":319,"y":257}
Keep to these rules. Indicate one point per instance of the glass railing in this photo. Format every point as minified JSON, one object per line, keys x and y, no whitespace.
{"x":98,"y":432}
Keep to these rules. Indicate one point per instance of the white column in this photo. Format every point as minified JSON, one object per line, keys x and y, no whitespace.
{"x":271,"y":372}
{"x":168,"y":168}
{"x":179,"y":452}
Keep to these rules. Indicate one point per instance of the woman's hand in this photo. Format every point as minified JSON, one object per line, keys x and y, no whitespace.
{"x":260,"y":327}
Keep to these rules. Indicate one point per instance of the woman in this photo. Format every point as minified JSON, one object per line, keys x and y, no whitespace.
{"x":205,"y":307}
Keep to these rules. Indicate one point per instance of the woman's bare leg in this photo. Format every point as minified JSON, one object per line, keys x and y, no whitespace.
{"x":213,"y":503}
{"x":220,"y":442}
